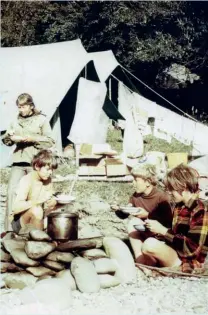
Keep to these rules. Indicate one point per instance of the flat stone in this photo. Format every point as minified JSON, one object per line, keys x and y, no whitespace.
{"x":5,"y":256}
{"x":19,"y":280}
{"x":60,"y":257}
{"x":20,"y":257}
{"x":53,"y":265}
{"x":38,"y":235}
{"x":36,"y":250}
{"x":108,"y":281}
{"x":9,"y":267}
{"x":105,"y":265}
{"x":40,"y":271}
{"x":11,"y":244}
{"x":94,"y":253}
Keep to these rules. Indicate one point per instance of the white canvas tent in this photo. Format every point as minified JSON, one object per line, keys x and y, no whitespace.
{"x":44,"y":71}
{"x":49,"y":72}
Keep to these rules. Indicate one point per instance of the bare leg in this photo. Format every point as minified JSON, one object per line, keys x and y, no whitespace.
{"x":17,"y":173}
{"x":164,"y":254}
{"x":136,"y":239}
{"x":15,"y":176}
{"x":34,"y":217}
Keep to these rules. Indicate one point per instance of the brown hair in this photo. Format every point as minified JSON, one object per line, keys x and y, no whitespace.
{"x":182,"y":178}
{"x":43,"y":158}
{"x":146,"y":172}
{"x":24,"y":99}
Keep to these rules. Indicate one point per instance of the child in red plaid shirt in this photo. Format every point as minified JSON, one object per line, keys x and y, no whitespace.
{"x":185,"y":244}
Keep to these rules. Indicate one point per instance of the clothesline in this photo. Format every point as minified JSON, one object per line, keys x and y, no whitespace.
{"x":156,"y":94}
{"x":193,"y":122}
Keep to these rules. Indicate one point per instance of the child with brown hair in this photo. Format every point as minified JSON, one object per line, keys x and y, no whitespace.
{"x":34,"y":196}
{"x":185,"y":244}
{"x":151,"y":202}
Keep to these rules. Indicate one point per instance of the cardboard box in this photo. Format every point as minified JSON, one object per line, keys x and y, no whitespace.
{"x":115,"y":167}
{"x":92,"y":171}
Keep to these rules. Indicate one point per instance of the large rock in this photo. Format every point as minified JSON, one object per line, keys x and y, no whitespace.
{"x":107,"y":281}
{"x":40,"y":271}
{"x":85,"y":275}
{"x":105,"y":265}
{"x":57,"y":266}
{"x":60,"y":257}
{"x":38,"y":235}
{"x":20,"y":257}
{"x":68,"y":278}
{"x":118,"y":250}
{"x":9,"y":267}
{"x":5,"y":256}
{"x":53,"y":292}
{"x":12,"y":244}
{"x":36,"y":250}
{"x":94,"y":253}
{"x":19,"y":280}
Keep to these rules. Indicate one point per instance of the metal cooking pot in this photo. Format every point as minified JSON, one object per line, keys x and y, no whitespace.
{"x":62,"y":226}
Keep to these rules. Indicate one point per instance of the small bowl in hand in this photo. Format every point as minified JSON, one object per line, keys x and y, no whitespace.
{"x":140,"y":227}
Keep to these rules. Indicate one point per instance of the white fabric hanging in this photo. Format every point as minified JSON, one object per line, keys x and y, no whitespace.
{"x":56,"y":130}
{"x":90,"y":123}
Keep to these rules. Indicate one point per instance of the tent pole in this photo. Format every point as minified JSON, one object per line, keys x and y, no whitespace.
{"x":85,"y":72}
{"x":110,"y":95}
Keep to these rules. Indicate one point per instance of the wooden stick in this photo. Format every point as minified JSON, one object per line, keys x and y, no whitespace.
{"x":85,"y":243}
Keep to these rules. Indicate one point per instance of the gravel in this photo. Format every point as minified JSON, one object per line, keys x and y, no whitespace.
{"x":160,"y":295}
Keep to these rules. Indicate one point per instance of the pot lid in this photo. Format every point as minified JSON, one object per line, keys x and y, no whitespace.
{"x":63,"y":214}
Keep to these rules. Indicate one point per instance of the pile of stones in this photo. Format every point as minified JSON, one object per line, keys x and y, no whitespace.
{"x":28,"y":260}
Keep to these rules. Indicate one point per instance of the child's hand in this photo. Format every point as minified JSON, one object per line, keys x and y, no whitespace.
{"x":141,"y":214}
{"x":50,"y":204}
{"x":155,"y":227}
{"x":115,"y":207}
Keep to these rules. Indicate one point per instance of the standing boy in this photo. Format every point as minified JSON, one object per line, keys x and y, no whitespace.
{"x":30,"y":133}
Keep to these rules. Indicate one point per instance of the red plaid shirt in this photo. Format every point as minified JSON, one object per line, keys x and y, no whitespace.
{"x":189,"y":234}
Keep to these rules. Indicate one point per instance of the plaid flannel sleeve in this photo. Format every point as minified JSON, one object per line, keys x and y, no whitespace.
{"x":196,"y":240}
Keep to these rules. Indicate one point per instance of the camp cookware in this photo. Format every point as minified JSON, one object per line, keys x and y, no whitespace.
{"x":62,"y":225}
{"x":140,"y":227}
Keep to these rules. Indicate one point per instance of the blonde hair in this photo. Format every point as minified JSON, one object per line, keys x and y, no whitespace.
{"x":182,"y":178}
{"x":146,"y":172}
{"x":24,"y":99}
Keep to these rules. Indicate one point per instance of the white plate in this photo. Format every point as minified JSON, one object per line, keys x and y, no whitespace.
{"x":64,"y":199}
{"x":127,"y":209}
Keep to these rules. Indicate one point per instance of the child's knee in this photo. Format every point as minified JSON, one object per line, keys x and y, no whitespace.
{"x":36,"y":212}
{"x":149,"y":246}
{"x":132,"y":222}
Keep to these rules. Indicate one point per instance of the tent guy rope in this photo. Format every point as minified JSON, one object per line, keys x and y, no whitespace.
{"x":158,"y":94}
